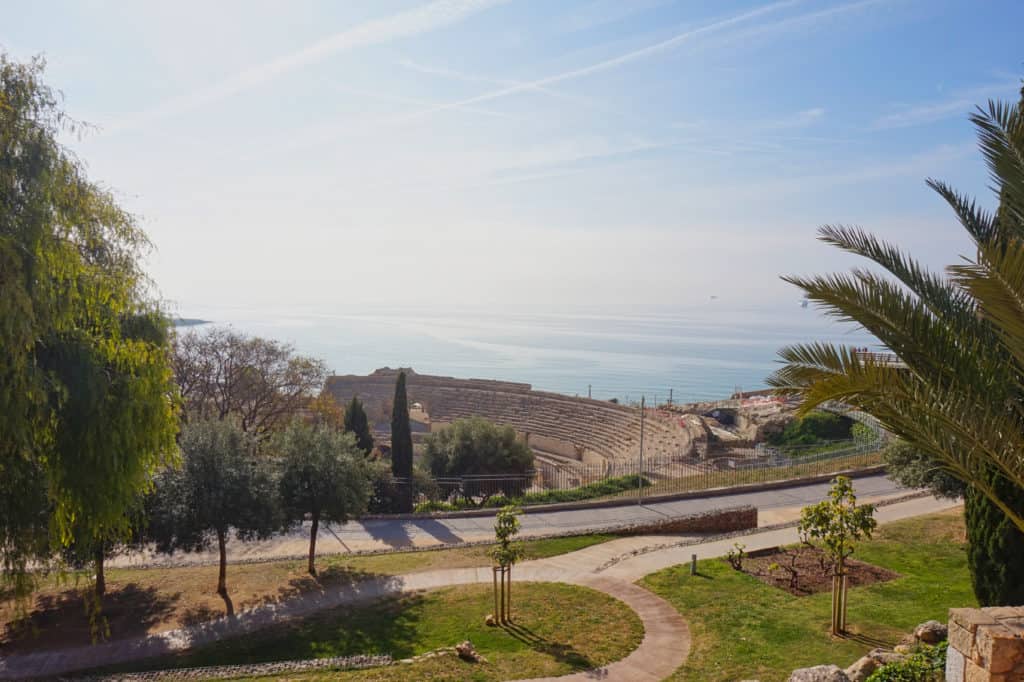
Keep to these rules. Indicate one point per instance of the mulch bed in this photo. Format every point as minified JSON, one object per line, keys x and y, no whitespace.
{"x":773,"y":568}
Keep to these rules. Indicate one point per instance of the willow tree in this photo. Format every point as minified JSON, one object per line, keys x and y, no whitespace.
{"x":87,"y":400}
{"x":954,"y":388}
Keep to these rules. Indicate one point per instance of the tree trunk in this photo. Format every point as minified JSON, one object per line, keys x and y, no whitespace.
{"x":222,"y":579}
{"x":313,"y":529}
{"x":101,"y":579}
{"x":222,"y":576}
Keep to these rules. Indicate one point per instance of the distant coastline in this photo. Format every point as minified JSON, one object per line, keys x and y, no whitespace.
{"x":188,"y":322}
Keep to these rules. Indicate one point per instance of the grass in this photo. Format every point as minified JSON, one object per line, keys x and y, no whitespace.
{"x":603,"y":488}
{"x":157,"y":599}
{"x":558,"y":629}
{"x":742,"y":628}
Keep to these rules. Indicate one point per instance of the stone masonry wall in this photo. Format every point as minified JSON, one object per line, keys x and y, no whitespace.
{"x":986,"y":645}
{"x":717,"y":521}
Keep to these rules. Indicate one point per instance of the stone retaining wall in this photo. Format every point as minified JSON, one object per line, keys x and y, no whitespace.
{"x":716,"y":521}
{"x":986,"y":645}
{"x":224,"y":672}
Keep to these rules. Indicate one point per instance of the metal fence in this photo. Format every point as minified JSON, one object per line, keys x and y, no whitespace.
{"x":733,"y":467}
{"x":550,"y":482}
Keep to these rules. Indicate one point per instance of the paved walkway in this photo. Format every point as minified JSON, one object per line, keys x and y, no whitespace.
{"x":384,"y":534}
{"x":664,"y":647}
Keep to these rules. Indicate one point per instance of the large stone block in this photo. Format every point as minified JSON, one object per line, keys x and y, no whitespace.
{"x":961,"y":639}
{"x":819,"y":673}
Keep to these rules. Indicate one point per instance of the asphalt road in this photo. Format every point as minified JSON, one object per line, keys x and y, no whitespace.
{"x":773,"y":506}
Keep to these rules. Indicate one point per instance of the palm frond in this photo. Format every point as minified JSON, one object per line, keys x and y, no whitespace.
{"x":979,"y":223}
{"x":1001,"y":139}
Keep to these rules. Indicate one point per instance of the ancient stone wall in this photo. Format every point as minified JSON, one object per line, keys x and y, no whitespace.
{"x":716,"y":521}
{"x":580,"y":428}
{"x":986,"y":645}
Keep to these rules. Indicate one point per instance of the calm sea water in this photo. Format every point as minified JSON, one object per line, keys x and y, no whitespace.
{"x":700,"y":352}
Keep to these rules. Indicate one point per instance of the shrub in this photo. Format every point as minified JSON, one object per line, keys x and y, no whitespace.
{"x":814,"y":428}
{"x":927,"y":664}
{"x":608,"y":486}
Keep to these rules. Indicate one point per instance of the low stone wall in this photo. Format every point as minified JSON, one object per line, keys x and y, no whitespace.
{"x":716,"y":521}
{"x":986,"y":645}
{"x":224,"y":672}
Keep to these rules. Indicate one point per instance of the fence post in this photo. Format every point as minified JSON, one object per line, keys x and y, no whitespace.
{"x":640,"y":478}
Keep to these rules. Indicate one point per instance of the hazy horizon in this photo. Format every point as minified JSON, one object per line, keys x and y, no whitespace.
{"x":486,"y":153}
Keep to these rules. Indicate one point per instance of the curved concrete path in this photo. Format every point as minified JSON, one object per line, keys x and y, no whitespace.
{"x":610,"y":567}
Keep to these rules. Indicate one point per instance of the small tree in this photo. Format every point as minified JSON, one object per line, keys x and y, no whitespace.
{"x":838,"y":523}
{"x":401,"y":446}
{"x":505,"y":554}
{"x":357,"y":423}
{"x":223,"y":486}
{"x":478,"y":447}
{"x":324,"y":475}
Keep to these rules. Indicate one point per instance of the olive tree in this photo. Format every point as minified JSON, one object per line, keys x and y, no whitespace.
{"x":223,"y":488}
{"x":478,"y":447}
{"x":323,"y":475}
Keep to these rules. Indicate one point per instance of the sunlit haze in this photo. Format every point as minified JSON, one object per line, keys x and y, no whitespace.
{"x":318,"y":154}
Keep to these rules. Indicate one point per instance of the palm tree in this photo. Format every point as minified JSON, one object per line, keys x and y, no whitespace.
{"x":955,"y":391}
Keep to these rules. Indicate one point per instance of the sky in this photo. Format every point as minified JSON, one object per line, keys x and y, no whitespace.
{"x":312,"y":155}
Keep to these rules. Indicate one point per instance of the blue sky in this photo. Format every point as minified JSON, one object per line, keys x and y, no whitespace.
{"x":478,"y":152}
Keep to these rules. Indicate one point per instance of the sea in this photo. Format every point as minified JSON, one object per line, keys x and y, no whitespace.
{"x":688,"y":353}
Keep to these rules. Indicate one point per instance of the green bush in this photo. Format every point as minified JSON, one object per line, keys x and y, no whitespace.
{"x":609,"y":486}
{"x":926,"y":664}
{"x":814,"y":428}
{"x":863,"y":433}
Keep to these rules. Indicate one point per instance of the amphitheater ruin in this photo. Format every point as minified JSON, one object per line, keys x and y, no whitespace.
{"x":564,"y":430}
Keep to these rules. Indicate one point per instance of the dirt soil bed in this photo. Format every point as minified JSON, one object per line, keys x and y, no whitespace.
{"x":802,"y":571}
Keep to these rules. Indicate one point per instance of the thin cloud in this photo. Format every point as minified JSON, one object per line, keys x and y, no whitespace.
{"x":958,"y":105}
{"x":452,"y":74}
{"x":423,"y":19}
{"x":660,"y":47}
{"x":800,"y":119}
{"x":399,"y":99}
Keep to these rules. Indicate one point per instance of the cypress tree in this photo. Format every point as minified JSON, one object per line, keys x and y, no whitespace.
{"x":401,"y":446}
{"x":995,"y":551}
{"x":995,"y":547}
{"x":358,"y":425}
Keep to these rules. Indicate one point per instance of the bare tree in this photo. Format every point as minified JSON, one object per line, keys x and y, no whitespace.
{"x":261,"y":382}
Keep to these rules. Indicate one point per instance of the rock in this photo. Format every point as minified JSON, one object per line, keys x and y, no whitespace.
{"x":490,"y":620}
{"x":468,"y":652}
{"x":862,"y":668}
{"x":819,"y":673}
{"x":902,"y":648}
{"x":883,"y":656}
{"x":931,"y":632}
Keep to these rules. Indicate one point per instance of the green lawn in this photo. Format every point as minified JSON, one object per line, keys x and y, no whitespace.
{"x":558,"y":629}
{"x":156,"y":599}
{"x":742,"y":628}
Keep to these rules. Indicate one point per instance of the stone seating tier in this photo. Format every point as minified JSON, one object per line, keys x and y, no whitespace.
{"x":602,"y":428}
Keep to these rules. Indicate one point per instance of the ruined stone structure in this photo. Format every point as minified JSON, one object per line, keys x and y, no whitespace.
{"x":986,"y":645}
{"x":554,"y":425}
